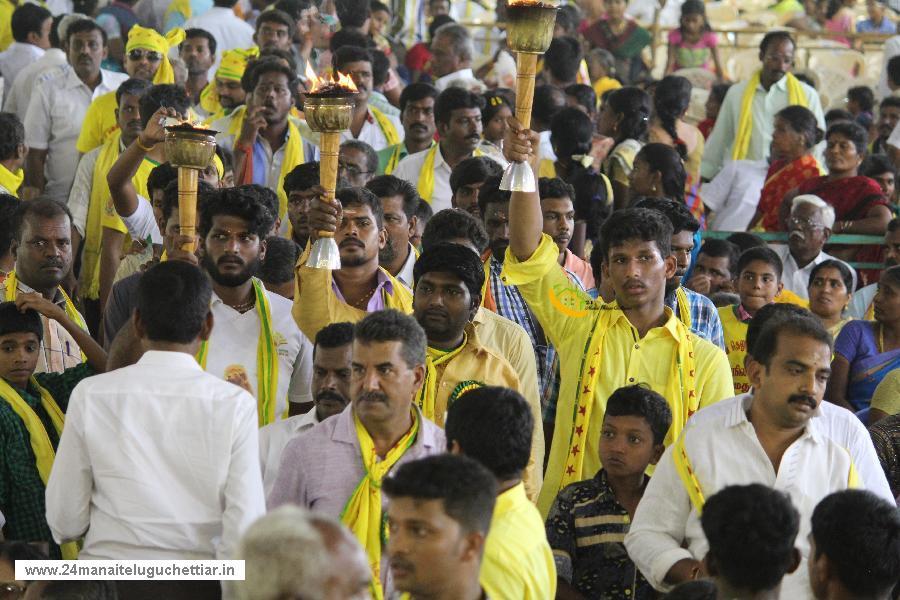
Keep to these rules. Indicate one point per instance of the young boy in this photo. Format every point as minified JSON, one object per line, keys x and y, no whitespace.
{"x":589,"y":519}
{"x":758,"y":282}
{"x":861,"y":104}
{"x":32,"y":409}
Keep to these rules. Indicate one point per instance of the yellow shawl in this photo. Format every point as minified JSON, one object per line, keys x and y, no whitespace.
{"x":11,"y":181}
{"x":796,"y":95}
{"x":434,"y":359}
{"x":425,"y":185}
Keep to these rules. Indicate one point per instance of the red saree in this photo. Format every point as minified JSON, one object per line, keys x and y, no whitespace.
{"x":781,"y":179}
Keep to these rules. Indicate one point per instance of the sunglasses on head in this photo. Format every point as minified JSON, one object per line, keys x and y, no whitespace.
{"x":150,"y":55}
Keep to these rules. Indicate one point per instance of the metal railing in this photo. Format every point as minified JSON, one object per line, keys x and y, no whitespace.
{"x":840,"y":239}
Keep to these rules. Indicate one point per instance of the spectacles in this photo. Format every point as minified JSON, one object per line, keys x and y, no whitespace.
{"x":352,"y":170}
{"x":806,"y":224}
{"x":150,"y":55}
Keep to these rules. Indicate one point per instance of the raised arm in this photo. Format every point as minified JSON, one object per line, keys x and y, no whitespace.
{"x":526,"y":223}
{"x":96,"y":356}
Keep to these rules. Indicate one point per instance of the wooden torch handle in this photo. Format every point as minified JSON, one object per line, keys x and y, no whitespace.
{"x":526,"y":66}
{"x":187,"y":204}
{"x":329,"y":146}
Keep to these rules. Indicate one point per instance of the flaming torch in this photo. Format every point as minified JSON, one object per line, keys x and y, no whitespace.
{"x":190,"y":148}
{"x":529,"y":30}
{"x":328,"y":108}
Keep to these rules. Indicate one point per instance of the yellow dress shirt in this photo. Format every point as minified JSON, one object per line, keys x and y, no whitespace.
{"x":518,"y":562}
{"x":735,"y":347}
{"x":99,"y":123}
{"x":569,"y":317}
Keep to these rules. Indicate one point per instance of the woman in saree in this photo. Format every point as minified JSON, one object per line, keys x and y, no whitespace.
{"x":866,"y":351}
{"x":796,"y":133}
{"x":624,"y":38}
{"x":830,"y":289}
{"x":624,"y":117}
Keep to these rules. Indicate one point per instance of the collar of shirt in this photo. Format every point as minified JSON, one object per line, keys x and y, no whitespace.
{"x":384,"y":283}
{"x":345,"y":431}
{"x":443,"y":82}
{"x":306,"y":420}
{"x":670,"y":326}
{"x":58,"y":298}
{"x":405,"y":275}
{"x":509,"y":500}
{"x":161,"y":358}
{"x":742,"y":313}
{"x":105,"y":85}
{"x":780,"y":85}
{"x":737,"y":417}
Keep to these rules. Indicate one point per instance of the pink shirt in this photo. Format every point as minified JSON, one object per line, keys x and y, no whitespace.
{"x":581,"y":268}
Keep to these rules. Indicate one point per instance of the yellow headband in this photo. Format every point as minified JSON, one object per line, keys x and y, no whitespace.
{"x":142,"y":38}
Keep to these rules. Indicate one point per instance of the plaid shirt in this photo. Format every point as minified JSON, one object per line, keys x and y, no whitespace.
{"x":21,"y":488}
{"x":705,"y":320}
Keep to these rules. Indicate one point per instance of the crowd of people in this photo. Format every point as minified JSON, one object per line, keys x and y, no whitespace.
{"x":656,"y":375}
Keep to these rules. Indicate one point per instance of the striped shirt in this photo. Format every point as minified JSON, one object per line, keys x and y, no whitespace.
{"x":705,"y":321}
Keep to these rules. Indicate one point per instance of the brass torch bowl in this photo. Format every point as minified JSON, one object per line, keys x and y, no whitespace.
{"x":189,"y":146}
{"x":529,"y":27}
{"x":328,"y":113}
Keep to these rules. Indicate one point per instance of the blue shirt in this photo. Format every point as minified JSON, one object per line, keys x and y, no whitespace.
{"x":705,"y":321}
{"x":867,"y":26}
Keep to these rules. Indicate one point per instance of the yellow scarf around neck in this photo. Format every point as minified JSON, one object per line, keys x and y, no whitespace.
{"x":425,"y":186}
{"x":362,"y":513}
{"x":266,"y":358}
{"x":41,"y":446}
{"x":387,"y":128}
{"x":11,"y":180}
{"x":428,"y":392}
{"x":684,"y":306}
{"x":680,"y":384}
{"x":796,"y":96}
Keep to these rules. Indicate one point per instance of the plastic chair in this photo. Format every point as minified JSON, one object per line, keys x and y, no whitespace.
{"x":699,"y":78}
{"x":850,"y":62}
{"x":742,"y":64}
{"x":720,"y":13}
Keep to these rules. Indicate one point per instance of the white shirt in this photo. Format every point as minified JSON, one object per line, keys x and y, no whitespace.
{"x":272,"y":440}
{"x":142,"y":224}
{"x":733,"y":194}
{"x":233,"y":347}
{"x":405,"y":275}
{"x":157,"y":461}
{"x":644,"y":12}
{"x":372,"y":134}
{"x":55,"y":115}
{"x":230,"y":31}
{"x":545,"y":149}
{"x":891,"y":49}
{"x":796,"y":279}
{"x":861,"y":301}
{"x":80,"y":194}
{"x":464,"y":78}
{"x":18,"y":91}
{"x":723,"y":451}
{"x":15,"y":58}
{"x":894,"y":138}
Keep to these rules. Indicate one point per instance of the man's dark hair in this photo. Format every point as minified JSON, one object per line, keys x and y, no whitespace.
{"x":774,"y":312}
{"x":640,"y":401}
{"x":224,"y":3}
{"x":761,"y":254}
{"x":475,"y":169}
{"x":394,"y":326}
{"x":12,"y":134}
{"x":42,"y":208}
{"x":8,"y":205}
{"x":554,"y":187}
{"x":12,"y":320}
{"x":264,"y":196}
{"x":455,"y":98}
{"x":438,"y":22}
{"x":263,"y":66}
{"x":596,"y":260}
{"x":381,"y":67}
{"x":85,"y":26}
{"x":80,"y":590}
{"x":170,"y":198}
{"x":853,"y":132}
{"x":548,"y":101}
{"x":164,"y":94}
{"x":490,"y":193}
{"x":568,"y":17}
{"x":28,"y":18}
{"x":349,"y":37}
{"x":700,"y":589}
{"x":456,"y":259}
{"x":570,"y":133}
{"x":173,"y":302}
{"x":388,"y":186}
{"x":773,"y":37}
{"x":133,"y":87}
{"x":276,"y":53}
{"x":722,"y":249}
{"x":196,"y":32}
{"x":350,"y":54}
{"x":877,"y":164}
{"x":893,"y":70}
{"x":281,"y":257}
{"x":236,"y":202}
{"x":424,"y":213}
{"x":454,"y":223}
{"x":892,"y":101}
{"x":280,"y":17}
{"x":415,"y":92}
{"x":584,"y":95}
{"x":334,"y":335}
{"x":294,"y":8}
{"x":493,"y":425}
{"x":351,"y":196}
{"x":302,"y":177}
{"x":863,"y":96}
{"x":376,"y":6}
{"x":369,"y":151}
{"x":636,"y":224}
{"x":860,"y":534}
{"x":352,"y":13}
{"x":160,"y":176}
{"x":745,"y":240}
{"x":678,"y":214}
{"x":563,"y":58}
{"x":466,"y":489}
{"x":751,"y":531}
{"x":808,"y":326}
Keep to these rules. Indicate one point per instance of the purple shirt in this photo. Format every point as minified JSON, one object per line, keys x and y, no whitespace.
{"x":376,"y":302}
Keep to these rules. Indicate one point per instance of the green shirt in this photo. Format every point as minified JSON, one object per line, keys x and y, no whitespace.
{"x":21,"y":488}
{"x":384,"y":155}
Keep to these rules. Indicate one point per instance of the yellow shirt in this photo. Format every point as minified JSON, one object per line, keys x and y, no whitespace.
{"x":99,"y":123}
{"x":316,"y":305}
{"x":569,"y":317}
{"x":511,"y":342}
{"x":887,"y":395}
{"x":518,"y":562}
{"x":735,"y":346}
{"x":603,"y":85}
{"x":6,"y":37}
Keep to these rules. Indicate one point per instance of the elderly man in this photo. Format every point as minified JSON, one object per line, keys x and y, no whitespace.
{"x":452,"y":52}
{"x":743,"y":130}
{"x":810,"y":227}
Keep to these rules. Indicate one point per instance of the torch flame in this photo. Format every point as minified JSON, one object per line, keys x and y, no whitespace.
{"x":317,"y":84}
{"x":525,"y":2}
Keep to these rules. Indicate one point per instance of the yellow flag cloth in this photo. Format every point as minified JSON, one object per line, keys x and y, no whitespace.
{"x":745,"y":120}
{"x":143,"y":38}
{"x":387,"y":128}
{"x":434,"y":359}
{"x":234,"y":63}
{"x":37,"y":435}
{"x":362,"y":513}
{"x":7,"y":7}
{"x":684,"y":307}
{"x":11,"y":181}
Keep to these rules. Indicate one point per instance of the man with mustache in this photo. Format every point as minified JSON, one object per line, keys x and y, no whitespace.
{"x":417,"y":118}
{"x":360,"y":286}
{"x":330,"y":392}
{"x":696,"y":311}
{"x":224,"y":93}
{"x":810,"y":227}
{"x":558,"y":208}
{"x":256,"y":343}
{"x":198,"y":51}
{"x":298,"y":185}
{"x":861,"y":305}
{"x":337,"y":467}
{"x":368,"y":124}
{"x":457,"y":113}
{"x":399,"y":201}
{"x":743,"y":129}
{"x":764,"y":438}
{"x":888,"y":117}
{"x":57,"y":109}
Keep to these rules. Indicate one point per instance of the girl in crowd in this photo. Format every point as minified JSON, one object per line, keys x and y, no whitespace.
{"x":658,"y":173}
{"x":866,"y":351}
{"x":713,"y":105}
{"x":830,"y":288}
{"x":627,"y":41}
{"x":497,"y":109}
{"x":624,"y":117}
{"x":693,"y":44}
